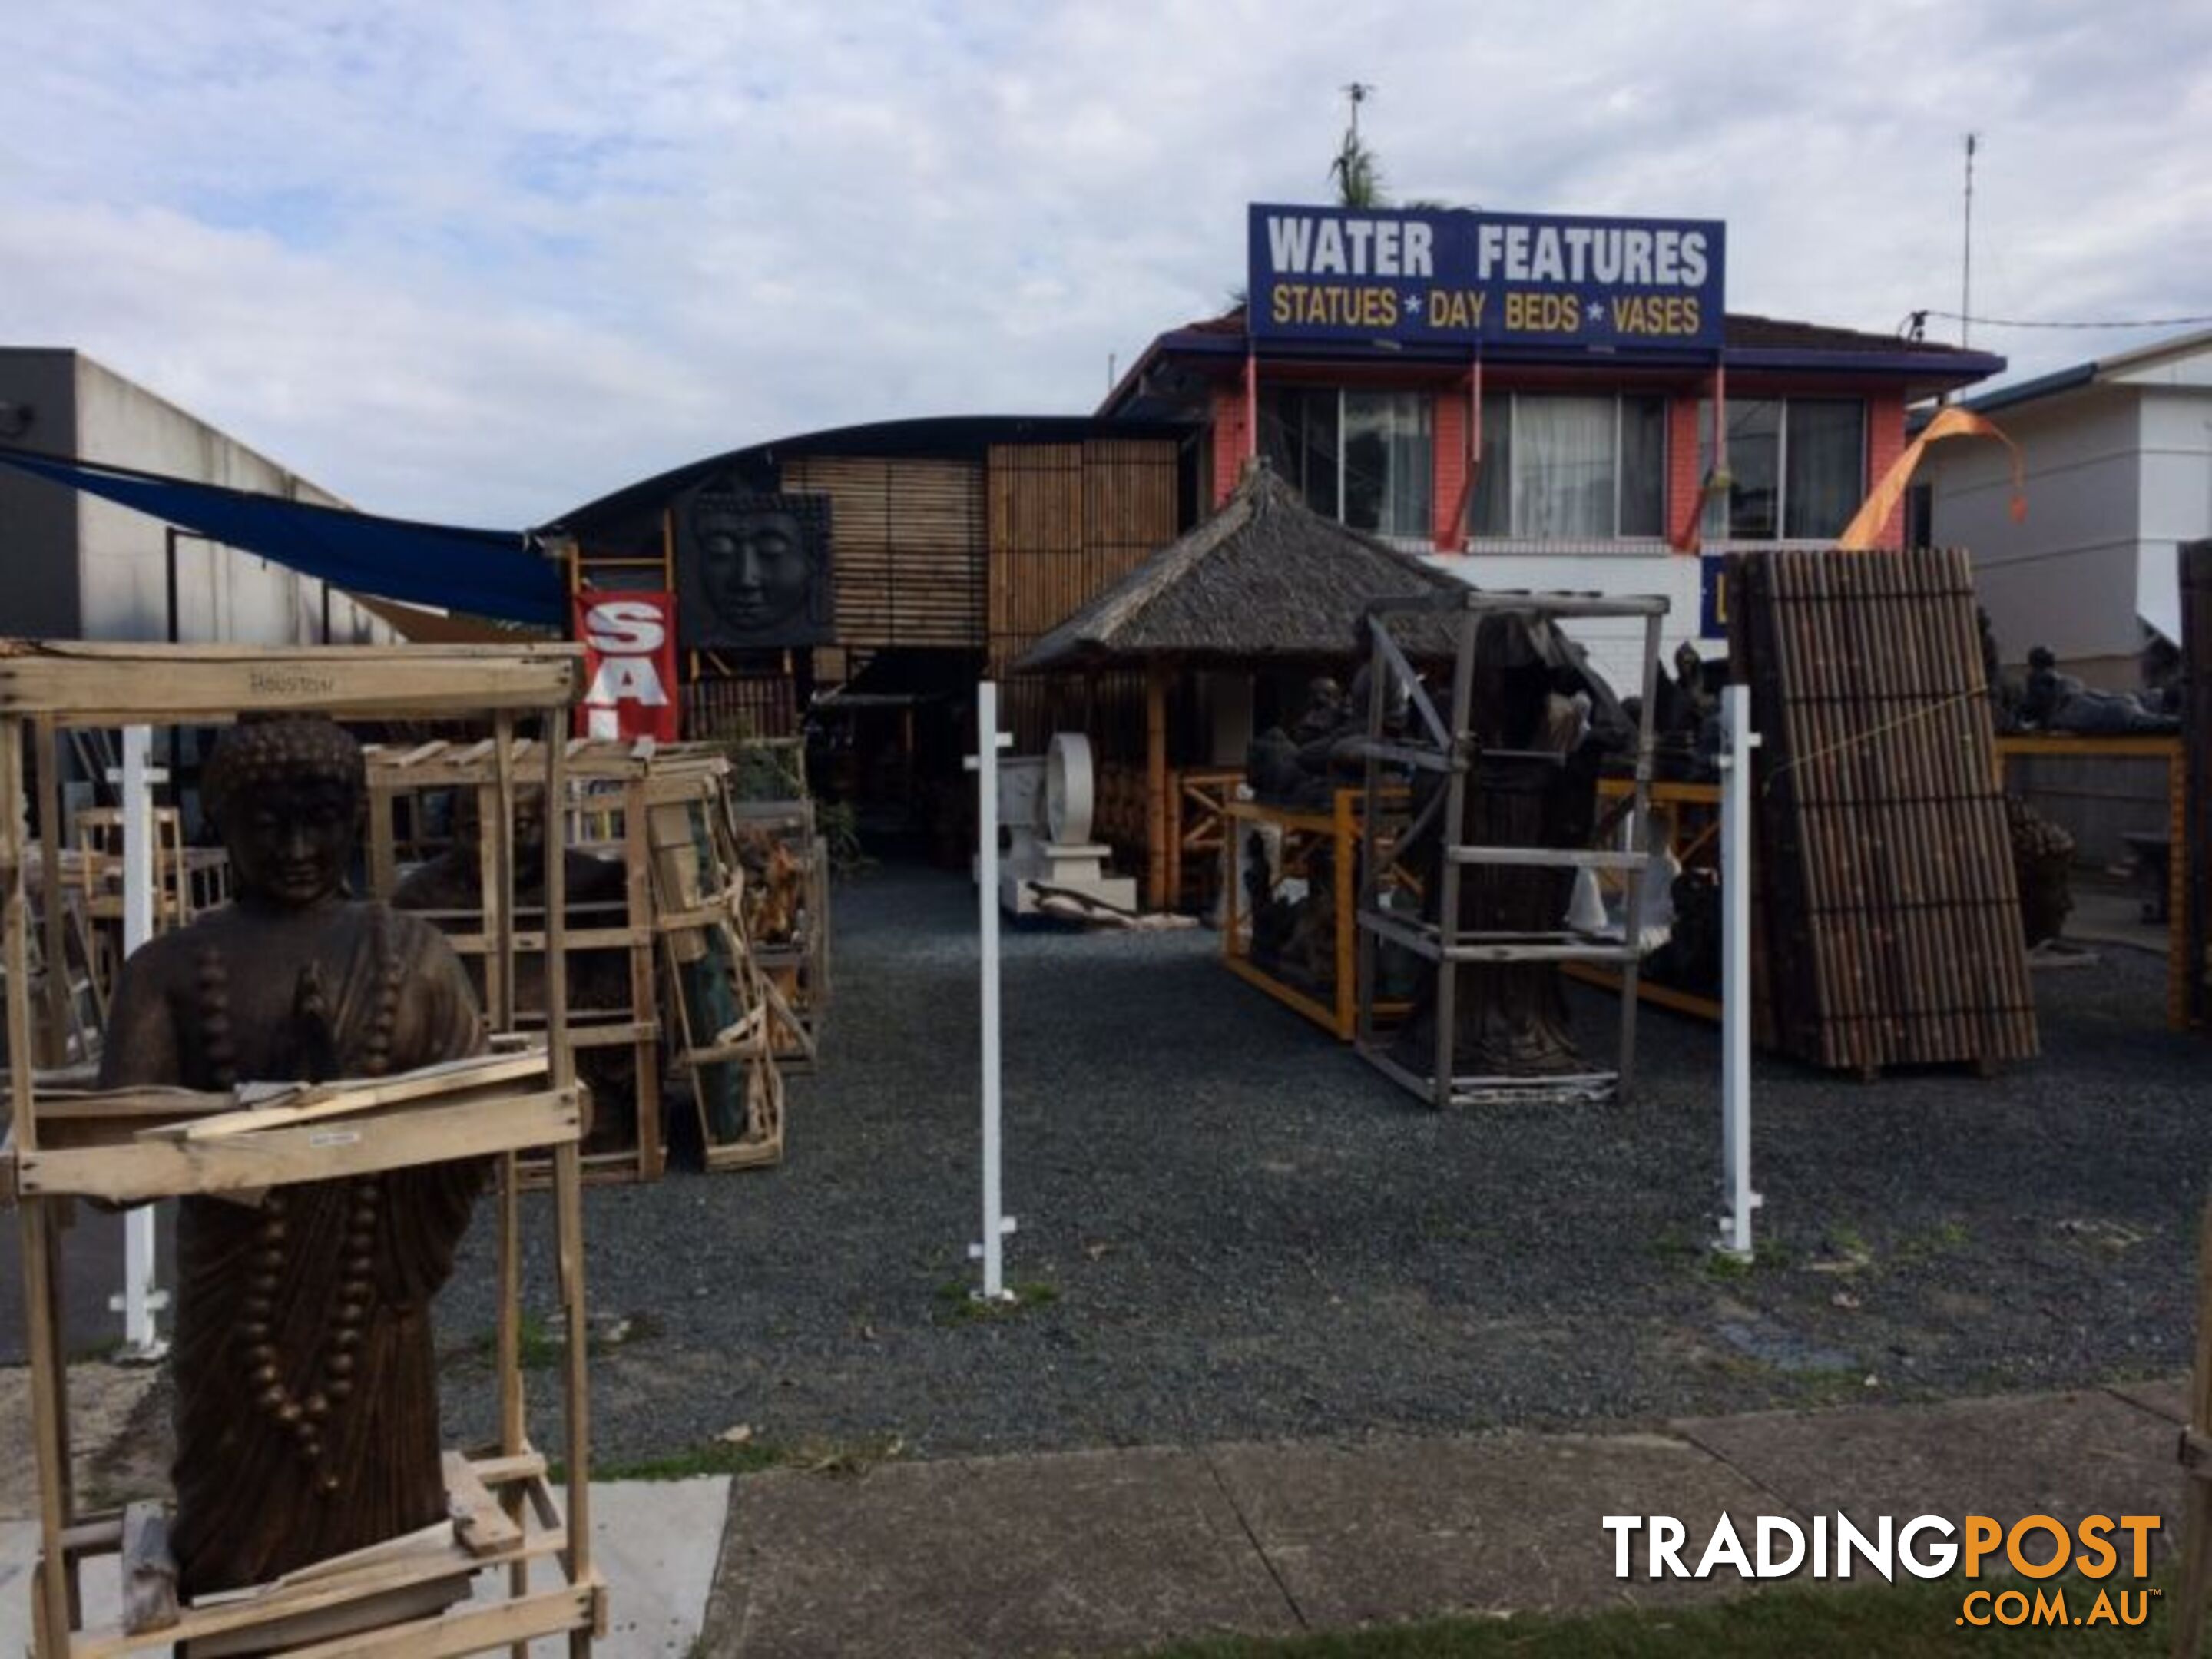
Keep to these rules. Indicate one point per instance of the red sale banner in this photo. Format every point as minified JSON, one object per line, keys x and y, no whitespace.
{"x":629,"y":664}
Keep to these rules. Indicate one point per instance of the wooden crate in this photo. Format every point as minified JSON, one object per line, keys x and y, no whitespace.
{"x":603,"y":777}
{"x":788,"y":915}
{"x":1308,"y":840}
{"x":140,"y":1145}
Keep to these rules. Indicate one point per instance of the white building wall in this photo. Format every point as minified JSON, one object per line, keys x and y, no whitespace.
{"x":223,"y":594}
{"x":1616,"y":644}
{"x":2064,"y":577}
{"x":2176,"y":483}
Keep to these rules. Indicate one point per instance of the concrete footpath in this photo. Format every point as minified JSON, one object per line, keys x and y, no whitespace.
{"x":1115,"y":1552}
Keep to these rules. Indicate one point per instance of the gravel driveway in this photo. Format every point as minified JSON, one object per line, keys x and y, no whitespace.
{"x":1230,"y":1227}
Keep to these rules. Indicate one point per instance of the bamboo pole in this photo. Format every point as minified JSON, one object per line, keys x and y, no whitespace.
{"x":1156,"y":784}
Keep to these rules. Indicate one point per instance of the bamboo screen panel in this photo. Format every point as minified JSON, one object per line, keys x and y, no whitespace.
{"x":2197,"y":737}
{"x":1887,"y":895}
{"x":724,"y":710}
{"x":908,"y":548}
{"x":1068,"y":522}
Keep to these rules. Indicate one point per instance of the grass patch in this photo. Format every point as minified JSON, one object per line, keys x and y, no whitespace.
{"x":750,"y":1457}
{"x":1768,"y":1257}
{"x":958,"y":1305}
{"x":1945,"y":1238}
{"x":1909,"y":1620}
{"x":542,"y":1347}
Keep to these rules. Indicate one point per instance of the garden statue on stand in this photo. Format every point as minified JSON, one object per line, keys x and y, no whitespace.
{"x":307,"y":1409}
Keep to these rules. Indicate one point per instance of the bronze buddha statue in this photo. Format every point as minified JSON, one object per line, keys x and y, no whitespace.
{"x":306,"y":1414}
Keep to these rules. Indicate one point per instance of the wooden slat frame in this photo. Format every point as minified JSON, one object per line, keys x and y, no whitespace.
{"x":74,"y":685}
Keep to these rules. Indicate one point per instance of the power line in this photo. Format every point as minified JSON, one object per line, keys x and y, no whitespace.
{"x":1918,"y":317}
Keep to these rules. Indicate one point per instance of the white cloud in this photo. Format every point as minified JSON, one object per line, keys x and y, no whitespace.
{"x":484,"y":262}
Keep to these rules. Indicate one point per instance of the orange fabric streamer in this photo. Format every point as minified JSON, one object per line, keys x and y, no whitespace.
{"x":1864,"y":529}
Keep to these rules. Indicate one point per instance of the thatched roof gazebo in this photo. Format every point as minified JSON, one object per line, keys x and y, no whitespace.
{"x":1265,"y":579}
{"x":1266,"y":582}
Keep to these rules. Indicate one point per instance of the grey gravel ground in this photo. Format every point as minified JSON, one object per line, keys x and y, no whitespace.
{"x":1231,"y":1228}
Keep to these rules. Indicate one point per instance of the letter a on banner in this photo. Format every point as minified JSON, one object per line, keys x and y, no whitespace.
{"x":629,"y":664}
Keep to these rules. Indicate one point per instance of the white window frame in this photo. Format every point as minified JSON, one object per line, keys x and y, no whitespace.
{"x":1513,"y":450}
{"x":1781,"y":536}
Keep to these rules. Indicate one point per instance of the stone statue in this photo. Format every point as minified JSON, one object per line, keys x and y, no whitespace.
{"x":306,"y":1411}
{"x":1510,"y":1018}
{"x":2043,"y":866}
{"x":753,"y":570}
{"x":2059,"y":703}
{"x":1686,"y":719}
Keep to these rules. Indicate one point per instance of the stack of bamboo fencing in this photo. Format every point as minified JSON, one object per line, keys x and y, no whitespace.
{"x":1886,"y":898}
{"x":2196,"y":739}
{"x":908,"y":541}
{"x":1066,"y":522}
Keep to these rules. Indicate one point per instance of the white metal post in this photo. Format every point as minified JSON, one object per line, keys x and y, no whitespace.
{"x":140,"y":1299}
{"x":996,"y":1223}
{"x":1735,"y":969}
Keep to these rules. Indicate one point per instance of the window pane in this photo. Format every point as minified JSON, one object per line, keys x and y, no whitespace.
{"x":1491,"y":512}
{"x":1563,"y":467}
{"x":1827,"y":467}
{"x":1642,"y":466}
{"x":1411,"y":457}
{"x":1320,"y":463}
{"x":1366,"y":459}
{"x":1386,"y":462}
{"x":1297,"y":435}
{"x":1754,"y":438}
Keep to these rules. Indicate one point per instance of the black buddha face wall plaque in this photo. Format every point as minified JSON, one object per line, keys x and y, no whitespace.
{"x":752,"y":570}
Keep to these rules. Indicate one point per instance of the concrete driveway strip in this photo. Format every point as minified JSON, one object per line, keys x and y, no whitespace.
{"x":1077,"y":1552}
{"x":1400,"y":1529}
{"x":2062,"y":1455}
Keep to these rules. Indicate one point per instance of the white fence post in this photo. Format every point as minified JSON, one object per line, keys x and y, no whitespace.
{"x":989,"y":740}
{"x":140,"y":1301}
{"x":1736,"y":970}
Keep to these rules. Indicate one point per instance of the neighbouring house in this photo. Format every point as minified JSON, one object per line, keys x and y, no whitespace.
{"x":2117,"y":458}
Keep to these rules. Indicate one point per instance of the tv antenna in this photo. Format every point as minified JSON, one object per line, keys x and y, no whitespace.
{"x":1966,"y":255}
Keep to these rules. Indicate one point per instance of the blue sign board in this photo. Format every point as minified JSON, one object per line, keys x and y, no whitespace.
{"x":1464,"y":276}
{"x":1712,"y":596}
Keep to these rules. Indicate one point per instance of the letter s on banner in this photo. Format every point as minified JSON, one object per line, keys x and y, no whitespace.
{"x":629,"y":664}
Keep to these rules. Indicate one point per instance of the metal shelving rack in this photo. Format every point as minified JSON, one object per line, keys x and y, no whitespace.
{"x":1449,"y":747}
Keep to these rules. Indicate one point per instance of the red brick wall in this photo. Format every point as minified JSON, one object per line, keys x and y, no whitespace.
{"x":1448,"y":498}
{"x":1230,"y":439}
{"x":1885,"y":443}
{"x":1685,"y":476}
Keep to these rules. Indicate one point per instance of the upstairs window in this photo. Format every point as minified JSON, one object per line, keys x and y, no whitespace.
{"x":1362,"y":458}
{"x":1571,"y":469}
{"x":1797,"y":467}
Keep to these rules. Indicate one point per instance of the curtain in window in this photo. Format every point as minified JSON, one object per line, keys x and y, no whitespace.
{"x":1563,"y":467}
{"x":1827,"y":467}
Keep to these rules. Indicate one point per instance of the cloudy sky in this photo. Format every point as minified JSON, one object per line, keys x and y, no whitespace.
{"x":484,"y":260}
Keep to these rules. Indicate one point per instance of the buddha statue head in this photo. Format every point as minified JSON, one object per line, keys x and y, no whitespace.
{"x":289,"y":795}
